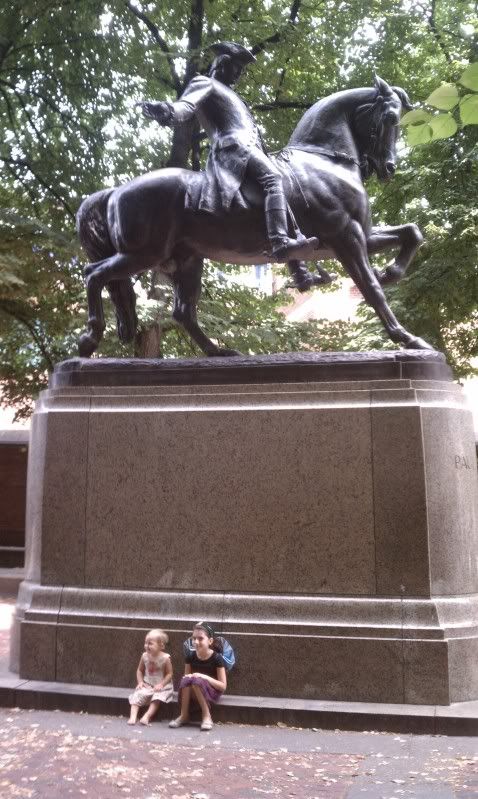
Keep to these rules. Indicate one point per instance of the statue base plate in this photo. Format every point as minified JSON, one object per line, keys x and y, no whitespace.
{"x":287,"y":367}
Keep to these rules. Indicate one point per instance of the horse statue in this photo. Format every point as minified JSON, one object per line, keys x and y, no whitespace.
{"x":150,"y":222}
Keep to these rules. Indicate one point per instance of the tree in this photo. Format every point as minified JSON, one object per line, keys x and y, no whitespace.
{"x":70,"y":75}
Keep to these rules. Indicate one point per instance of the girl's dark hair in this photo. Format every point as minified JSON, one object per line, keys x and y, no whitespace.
{"x":216,"y":641}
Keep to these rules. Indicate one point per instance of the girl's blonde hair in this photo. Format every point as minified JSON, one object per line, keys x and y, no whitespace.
{"x":160,"y":635}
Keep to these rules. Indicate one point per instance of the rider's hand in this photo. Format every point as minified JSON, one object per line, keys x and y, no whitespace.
{"x":160,"y":112}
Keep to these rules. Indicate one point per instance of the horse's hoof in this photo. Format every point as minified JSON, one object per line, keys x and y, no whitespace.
{"x":303,"y":282}
{"x":417,"y":343}
{"x":324,"y":278}
{"x":387,"y":276}
{"x":86,"y":345}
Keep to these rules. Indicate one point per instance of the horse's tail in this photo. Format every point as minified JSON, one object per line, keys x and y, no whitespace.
{"x":92,"y":227}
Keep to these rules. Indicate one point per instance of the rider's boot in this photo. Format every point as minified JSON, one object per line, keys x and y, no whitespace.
{"x":283,"y":247}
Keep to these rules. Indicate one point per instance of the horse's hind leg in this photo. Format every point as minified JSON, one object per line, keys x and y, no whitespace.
{"x":123,"y":298}
{"x":351,"y":250}
{"x":90,"y":340}
{"x":187,"y":290}
{"x":116,"y":268}
{"x":407,"y":237}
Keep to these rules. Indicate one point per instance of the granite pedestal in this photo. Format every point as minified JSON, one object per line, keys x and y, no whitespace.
{"x":319,"y":509}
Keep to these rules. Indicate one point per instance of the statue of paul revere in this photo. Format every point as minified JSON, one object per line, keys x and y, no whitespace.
{"x":237,"y":150}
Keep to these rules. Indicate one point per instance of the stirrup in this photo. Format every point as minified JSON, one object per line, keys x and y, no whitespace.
{"x":289,"y":247}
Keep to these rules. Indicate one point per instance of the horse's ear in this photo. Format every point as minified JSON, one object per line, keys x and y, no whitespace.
{"x":404,"y":98}
{"x":383,"y":88}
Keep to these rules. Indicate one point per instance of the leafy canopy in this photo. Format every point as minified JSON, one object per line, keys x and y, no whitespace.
{"x":71,"y":72}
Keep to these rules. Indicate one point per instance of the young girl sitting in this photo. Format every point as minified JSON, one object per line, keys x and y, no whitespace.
{"x":154,"y":677}
{"x":204,"y":677}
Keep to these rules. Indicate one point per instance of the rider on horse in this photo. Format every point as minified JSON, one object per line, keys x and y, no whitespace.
{"x":236,"y":146}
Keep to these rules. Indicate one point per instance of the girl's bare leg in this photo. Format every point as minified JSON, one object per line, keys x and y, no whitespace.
{"x":151,"y":711}
{"x":205,"y":712}
{"x":185,"y":700}
{"x":133,"y":716}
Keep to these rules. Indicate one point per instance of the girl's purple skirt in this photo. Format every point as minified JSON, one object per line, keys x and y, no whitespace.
{"x":209,"y":693}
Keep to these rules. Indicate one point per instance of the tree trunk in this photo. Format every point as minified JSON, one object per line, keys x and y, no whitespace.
{"x":147,"y":343}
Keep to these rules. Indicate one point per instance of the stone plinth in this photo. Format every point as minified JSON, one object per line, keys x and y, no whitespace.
{"x":319,"y":510}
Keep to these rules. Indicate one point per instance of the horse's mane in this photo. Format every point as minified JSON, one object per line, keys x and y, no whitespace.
{"x":327,"y":110}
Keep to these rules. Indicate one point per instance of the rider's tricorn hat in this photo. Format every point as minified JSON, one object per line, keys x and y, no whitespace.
{"x":235,"y":51}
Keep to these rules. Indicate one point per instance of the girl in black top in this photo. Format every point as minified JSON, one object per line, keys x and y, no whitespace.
{"x":204,"y":677}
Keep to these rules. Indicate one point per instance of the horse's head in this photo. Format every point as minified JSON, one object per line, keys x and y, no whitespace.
{"x":376,"y":127}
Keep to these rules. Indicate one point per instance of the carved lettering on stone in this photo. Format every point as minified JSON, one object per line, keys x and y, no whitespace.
{"x":461,"y":462}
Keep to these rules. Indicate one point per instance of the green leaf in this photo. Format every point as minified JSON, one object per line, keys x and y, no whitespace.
{"x":445,"y":97}
{"x":443,"y":126}
{"x":470,"y":77}
{"x":469,"y":109}
{"x":412,"y":117}
{"x":419,"y":134}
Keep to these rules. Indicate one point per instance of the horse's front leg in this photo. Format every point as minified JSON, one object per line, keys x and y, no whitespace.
{"x":407,"y":237}
{"x":304,"y":280}
{"x":187,"y":290}
{"x":351,"y":250}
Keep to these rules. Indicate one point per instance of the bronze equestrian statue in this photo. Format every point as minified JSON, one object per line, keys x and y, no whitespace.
{"x":156,"y":221}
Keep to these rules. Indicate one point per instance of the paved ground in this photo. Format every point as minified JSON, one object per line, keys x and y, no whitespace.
{"x":54,"y":754}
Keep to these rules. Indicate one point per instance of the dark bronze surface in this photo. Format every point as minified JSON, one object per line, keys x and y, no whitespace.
{"x":307,"y":204}
{"x":290,"y":367}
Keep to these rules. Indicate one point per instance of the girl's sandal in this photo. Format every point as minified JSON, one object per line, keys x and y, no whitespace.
{"x":207,"y":724}
{"x":176,"y":723}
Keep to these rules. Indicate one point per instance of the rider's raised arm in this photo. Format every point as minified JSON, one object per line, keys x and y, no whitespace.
{"x":193,"y":96}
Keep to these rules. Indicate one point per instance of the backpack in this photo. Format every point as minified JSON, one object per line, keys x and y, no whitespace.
{"x":221,"y":646}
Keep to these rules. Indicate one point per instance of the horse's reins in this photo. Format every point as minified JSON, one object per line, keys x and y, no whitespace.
{"x":312,"y":148}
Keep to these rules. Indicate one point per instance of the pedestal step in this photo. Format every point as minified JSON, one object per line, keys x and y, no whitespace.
{"x":458,"y":719}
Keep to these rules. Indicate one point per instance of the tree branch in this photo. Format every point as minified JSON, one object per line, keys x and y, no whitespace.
{"x":25,"y":163}
{"x":436,"y":33}
{"x":55,"y":4}
{"x":58,"y":43}
{"x":10,"y":309}
{"x":185,"y":136}
{"x":278,"y":35}
{"x":196,"y":20}
{"x":153,"y":29}
{"x":30,"y":121}
{"x":47,"y":100}
{"x":25,"y":185}
{"x":293,"y":19}
{"x":5,"y":48}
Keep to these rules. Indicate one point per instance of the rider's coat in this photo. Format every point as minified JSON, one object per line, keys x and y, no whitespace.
{"x":232,"y":132}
